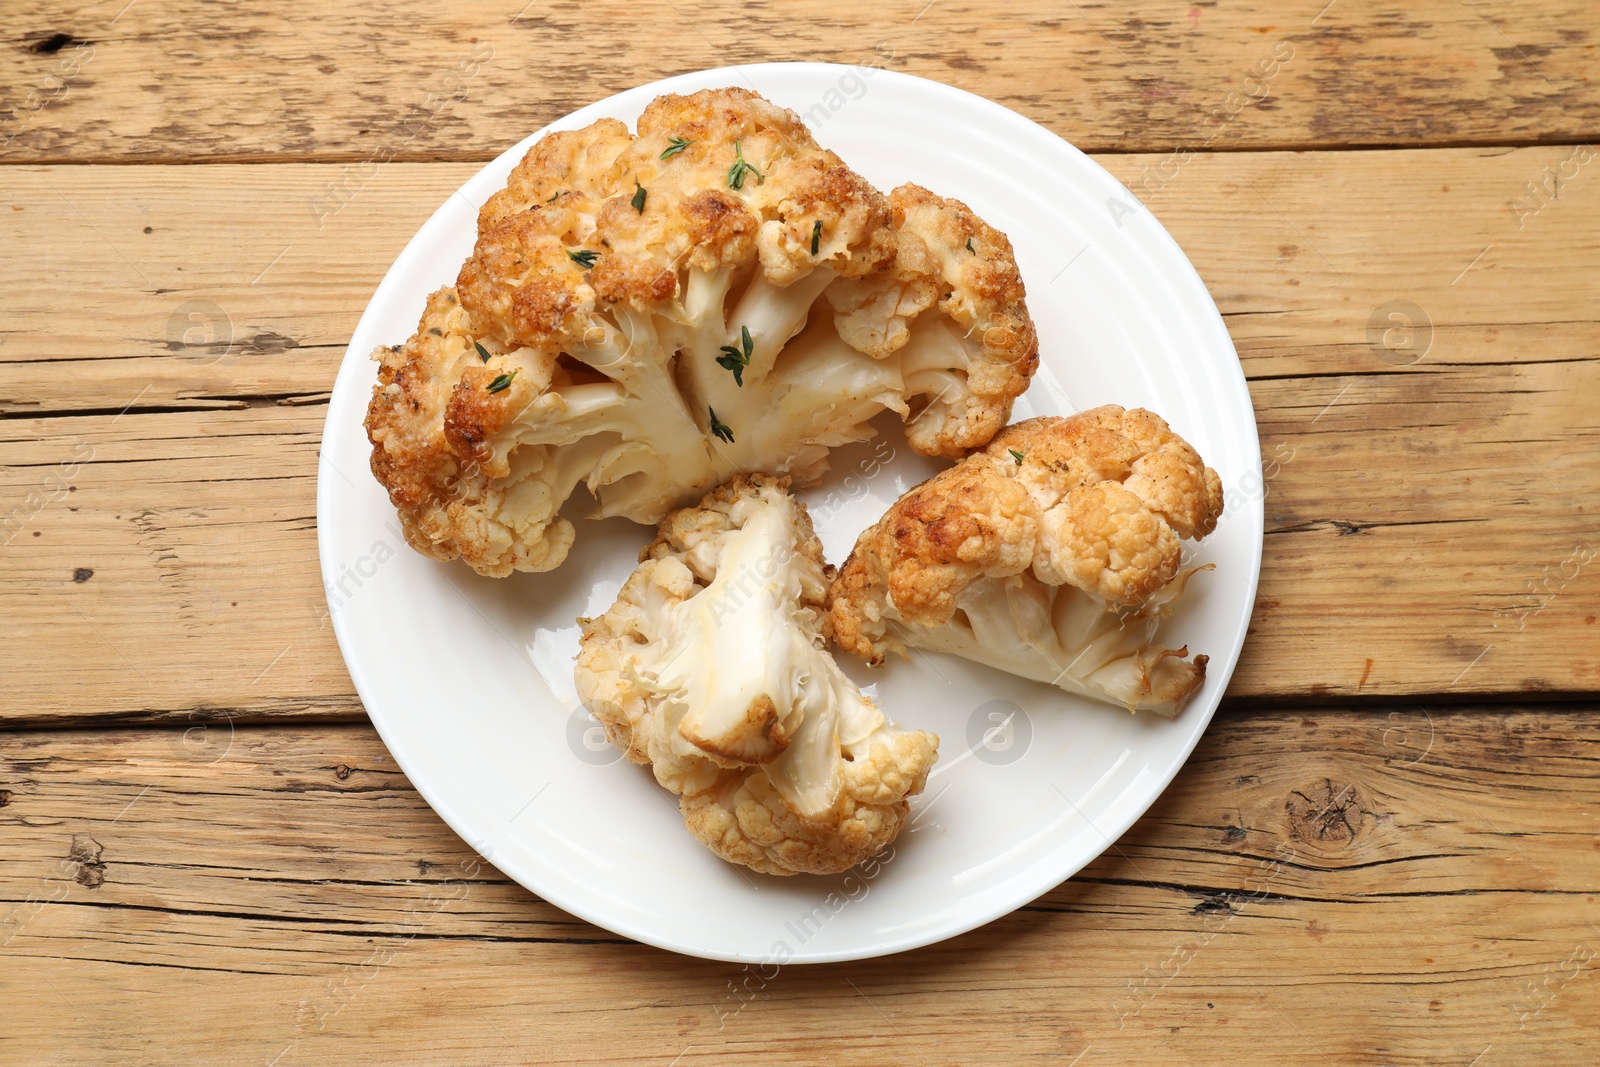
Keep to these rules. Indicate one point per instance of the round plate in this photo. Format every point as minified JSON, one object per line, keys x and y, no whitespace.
{"x":469,"y":679}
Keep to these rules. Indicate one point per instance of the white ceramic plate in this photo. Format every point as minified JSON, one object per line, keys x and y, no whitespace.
{"x":469,"y":679}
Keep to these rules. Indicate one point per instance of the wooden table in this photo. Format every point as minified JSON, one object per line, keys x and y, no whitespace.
{"x":206,"y":855}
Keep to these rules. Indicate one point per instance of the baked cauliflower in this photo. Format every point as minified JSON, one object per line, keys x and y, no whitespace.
{"x":710,"y":667}
{"x":650,"y":314}
{"x":1052,"y":554}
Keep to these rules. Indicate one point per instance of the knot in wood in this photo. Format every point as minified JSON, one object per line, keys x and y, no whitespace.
{"x":86,"y":853}
{"x":1326,"y":814}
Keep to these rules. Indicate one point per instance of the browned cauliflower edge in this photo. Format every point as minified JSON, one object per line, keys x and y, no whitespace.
{"x":710,"y":667}
{"x":946,"y":256}
{"x":644,"y":314}
{"x":1052,"y":554}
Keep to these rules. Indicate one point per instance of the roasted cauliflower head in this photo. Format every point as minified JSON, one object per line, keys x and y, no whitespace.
{"x":651,"y":313}
{"x":1052,"y":554}
{"x":711,"y":668}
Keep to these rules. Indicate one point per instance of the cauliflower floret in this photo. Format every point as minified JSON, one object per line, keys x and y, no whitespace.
{"x":567,"y":163}
{"x":641,"y":313}
{"x":964,"y":367}
{"x":1052,"y":554}
{"x":710,"y":668}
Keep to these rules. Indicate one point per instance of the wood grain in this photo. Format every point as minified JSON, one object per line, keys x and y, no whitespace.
{"x":1430,"y":525}
{"x":1397,"y":885}
{"x":1365,"y":887}
{"x":296,"y":80}
{"x":175,"y":577}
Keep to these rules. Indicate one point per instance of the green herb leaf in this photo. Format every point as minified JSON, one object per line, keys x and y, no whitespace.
{"x":502,"y":383}
{"x":638,"y":196}
{"x":583,"y":259}
{"x":735,"y":360}
{"x":974,"y":251}
{"x":556,"y":195}
{"x":1015,"y":455}
{"x":719,"y":429}
{"x":482,"y":352}
{"x":816,"y":235}
{"x":740,"y":168}
{"x":675,"y":145}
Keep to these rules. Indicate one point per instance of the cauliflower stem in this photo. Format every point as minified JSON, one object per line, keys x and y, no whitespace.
{"x":1052,"y":554}
{"x":1069,"y":639}
{"x":710,"y":667}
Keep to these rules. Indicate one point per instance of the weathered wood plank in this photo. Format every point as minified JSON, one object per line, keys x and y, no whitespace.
{"x":164,"y":567}
{"x":297,"y":80}
{"x":1406,"y":887}
{"x":188,"y":286}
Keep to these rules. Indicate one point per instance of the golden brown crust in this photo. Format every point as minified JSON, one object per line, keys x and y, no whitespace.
{"x":947,"y":257}
{"x":595,"y":252}
{"x":437,"y":451}
{"x":743,"y":819}
{"x":746,"y":822}
{"x":1135,"y":447}
{"x":522,"y":286}
{"x":857,"y":621}
{"x":964,"y":523}
{"x":1107,"y":540}
{"x":714,"y":118}
{"x":815,"y":200}
{"x":636,"y":280}
{"x":518,"y":285}
{"x":720,"y":229}
{"x":1097,"y":500}
{"x":567,"y":163}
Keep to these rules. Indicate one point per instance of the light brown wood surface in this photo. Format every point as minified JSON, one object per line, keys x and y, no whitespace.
{"x":1411,"y":888}
{"x":1356,"y":867}
{"x":178,"y":81}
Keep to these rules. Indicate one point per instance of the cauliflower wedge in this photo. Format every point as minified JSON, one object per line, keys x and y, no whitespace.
{"x":710,"y":668}
{"x":1052,"y":554}
{"x":648,"y":314}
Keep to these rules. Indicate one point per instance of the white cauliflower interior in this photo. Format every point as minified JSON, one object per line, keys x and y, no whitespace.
{"x":710,"y":667}
{"x":642,"y":316}
{"x":1070,"y":639}
{"x":1052,"y":554}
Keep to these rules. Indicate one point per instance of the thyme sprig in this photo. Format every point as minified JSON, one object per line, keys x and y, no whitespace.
{"x":719,"y":429}
{"x":740,"y":168}
{"x":735,"y":360}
